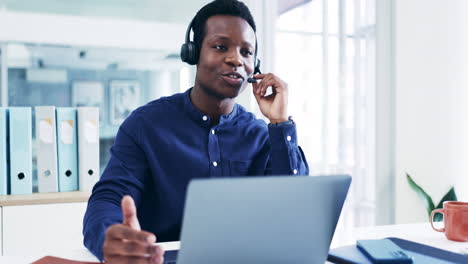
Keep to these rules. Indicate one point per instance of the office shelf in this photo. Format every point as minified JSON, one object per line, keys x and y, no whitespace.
{"x":44,"y":198}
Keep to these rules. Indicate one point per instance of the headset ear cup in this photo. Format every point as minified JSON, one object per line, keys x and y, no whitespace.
{"x":183,"y":52}
{"x":193,"y":54}
{"x":188,"y":53}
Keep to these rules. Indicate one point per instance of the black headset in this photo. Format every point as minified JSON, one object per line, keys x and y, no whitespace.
{"x":189,"y":52}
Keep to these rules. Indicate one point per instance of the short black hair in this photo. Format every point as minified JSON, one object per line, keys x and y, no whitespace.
{"x":219,"y":7}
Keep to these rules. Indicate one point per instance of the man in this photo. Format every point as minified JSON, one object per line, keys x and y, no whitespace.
{"x":201,"y":133}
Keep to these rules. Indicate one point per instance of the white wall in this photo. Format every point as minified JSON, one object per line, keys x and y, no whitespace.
{"x":431,"y":101}
{"x":90,"y":32}
{"x":167,"y":11}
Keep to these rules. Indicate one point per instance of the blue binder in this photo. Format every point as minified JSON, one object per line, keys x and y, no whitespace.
{"x":4,"y":159}
{"x":20,"y":150}
{"x":422,"y":254}
{"x":67,"y":149}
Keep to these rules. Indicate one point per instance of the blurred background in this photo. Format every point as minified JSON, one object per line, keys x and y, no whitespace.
{"x":378,"y":88}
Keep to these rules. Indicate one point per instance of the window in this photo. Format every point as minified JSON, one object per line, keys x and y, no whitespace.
{"x":325,"y":51}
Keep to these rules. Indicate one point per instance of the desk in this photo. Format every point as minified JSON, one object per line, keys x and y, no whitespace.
{"x":421,"y":233}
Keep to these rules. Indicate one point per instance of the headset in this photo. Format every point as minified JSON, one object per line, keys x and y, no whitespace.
{"x":189,"y":52}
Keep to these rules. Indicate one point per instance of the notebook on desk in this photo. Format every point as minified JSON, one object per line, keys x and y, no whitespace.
{"x":281,"y":219}
{"x":422,"y":254}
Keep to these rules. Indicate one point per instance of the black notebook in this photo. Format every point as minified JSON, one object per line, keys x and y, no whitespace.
{"x":422,"y":254}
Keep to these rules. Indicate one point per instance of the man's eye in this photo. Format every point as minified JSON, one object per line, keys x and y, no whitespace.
{"x":247,"y":53}
{"x":220,"y":47}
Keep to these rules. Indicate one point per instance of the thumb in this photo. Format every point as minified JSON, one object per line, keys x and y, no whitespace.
{"x":129,"y":213}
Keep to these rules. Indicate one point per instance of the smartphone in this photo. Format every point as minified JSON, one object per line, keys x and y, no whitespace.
{"x":383,"y":251}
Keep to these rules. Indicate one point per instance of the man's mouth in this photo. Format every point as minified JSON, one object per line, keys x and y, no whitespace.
{"x":233,"y":78}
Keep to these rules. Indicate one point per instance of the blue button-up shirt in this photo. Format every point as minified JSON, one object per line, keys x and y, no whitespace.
{"x":161,"y":146}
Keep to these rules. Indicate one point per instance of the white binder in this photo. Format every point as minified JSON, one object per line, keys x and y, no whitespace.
{"x":88,"y":147}
{"x":46,"y":139}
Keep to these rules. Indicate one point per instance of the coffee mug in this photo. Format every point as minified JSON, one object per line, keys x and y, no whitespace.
{"x":455,"y":220}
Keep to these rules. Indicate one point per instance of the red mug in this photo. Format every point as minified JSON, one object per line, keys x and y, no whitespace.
{"x":455,"y":220}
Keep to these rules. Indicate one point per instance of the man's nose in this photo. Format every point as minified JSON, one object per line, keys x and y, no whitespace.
{"x":234,"y":59}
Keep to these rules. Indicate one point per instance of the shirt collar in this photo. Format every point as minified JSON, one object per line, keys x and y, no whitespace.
{"x":201,"y":117}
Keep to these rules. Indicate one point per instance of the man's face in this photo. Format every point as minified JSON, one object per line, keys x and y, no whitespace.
{"x":226,"y":56}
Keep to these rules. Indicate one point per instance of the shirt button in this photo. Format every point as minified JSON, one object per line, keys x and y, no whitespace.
{"x":288,"y":138}
{"x":213,"y":131}
{"x":215,"y":163}
{"x":205,"y":118}
{"x":295,"y":171}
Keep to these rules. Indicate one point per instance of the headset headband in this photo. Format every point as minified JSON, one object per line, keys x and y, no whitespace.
{"x":187,"y":34}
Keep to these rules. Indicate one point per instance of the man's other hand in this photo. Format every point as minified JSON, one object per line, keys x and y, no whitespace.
{"x":275,"y":105}
{"x":126,"y":243}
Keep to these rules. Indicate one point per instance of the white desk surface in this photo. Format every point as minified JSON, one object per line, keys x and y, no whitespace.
{"x":421,"y":233}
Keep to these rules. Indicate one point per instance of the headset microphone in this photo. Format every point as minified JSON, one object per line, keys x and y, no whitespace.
{"x":256,"y":71}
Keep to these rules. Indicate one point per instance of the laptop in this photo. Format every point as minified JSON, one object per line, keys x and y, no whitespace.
{"x":278,"y":219}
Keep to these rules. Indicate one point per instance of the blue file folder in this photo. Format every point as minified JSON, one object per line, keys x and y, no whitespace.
{"x":4,"y":159}
{"x":67,"y":149}
{"x":20,"y":150}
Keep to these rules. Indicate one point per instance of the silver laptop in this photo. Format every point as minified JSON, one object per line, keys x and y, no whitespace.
{"x":281,"y":219}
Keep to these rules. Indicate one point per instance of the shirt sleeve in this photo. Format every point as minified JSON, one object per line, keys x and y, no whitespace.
{"x":125,"y":174}
{"x":286,"y":157}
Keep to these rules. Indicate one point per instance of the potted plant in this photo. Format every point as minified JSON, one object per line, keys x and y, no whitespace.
{"x":428,"y":202}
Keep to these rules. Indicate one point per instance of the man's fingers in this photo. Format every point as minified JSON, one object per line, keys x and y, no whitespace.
{"x":124,"y":244}
{"x":132,"y":248}
{"x":260,"y":76}
{"x":257,"y":96}
{"x":129,"y":213}
{"x":266,"y":81}
{"x":126,"y":232}
{"x":264,"y":84}
{"x":255,"y":88}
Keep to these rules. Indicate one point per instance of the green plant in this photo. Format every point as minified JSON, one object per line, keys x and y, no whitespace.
{"x":449,"y":196}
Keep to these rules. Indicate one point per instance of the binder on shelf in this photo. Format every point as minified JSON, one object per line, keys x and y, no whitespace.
{"x":4,"y":159}
{"x":46,"y":139}
{"x":88,"y":147}
{"x":67,"y":147}
{"x":20,"y":129}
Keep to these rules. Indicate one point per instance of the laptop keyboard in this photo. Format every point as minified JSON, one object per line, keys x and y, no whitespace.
{"x":170,"y":257}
